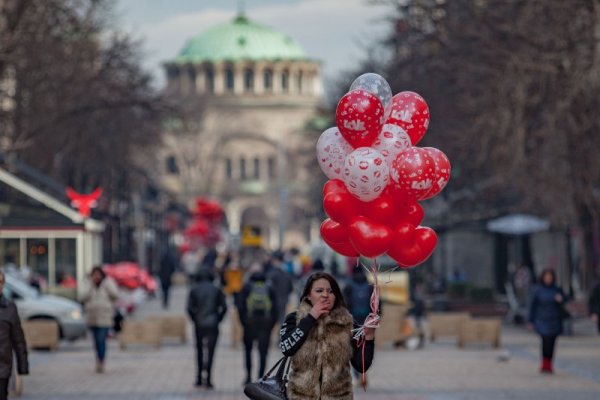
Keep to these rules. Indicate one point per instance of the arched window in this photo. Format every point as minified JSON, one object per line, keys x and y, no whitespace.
{"x":299,"y":81}
{"x":248,"y":80}
{"x":271,"y":167}
{"x":285,"y":81}
{"x":268,"y":80}
{"x":229,"y":80}
{"x":256,"y":168}
{"x":228,"y":168}
{"x":243,"y":175}
{"x":210,"y":80}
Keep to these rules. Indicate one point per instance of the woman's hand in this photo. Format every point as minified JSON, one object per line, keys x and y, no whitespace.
{"x":369,"y":333}
{"x":529,"y":326}
{"x":320,"y":309}
{"x":558,"y":298}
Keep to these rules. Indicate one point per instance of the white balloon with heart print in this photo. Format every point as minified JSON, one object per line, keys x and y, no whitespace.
{"x":376,"y":84}
{"x":332,"y":150}
{"x":366,"y":173}
{"x":391,"y":141}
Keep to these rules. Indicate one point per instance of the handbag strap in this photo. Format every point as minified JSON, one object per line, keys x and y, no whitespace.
{"x":277,"y":364}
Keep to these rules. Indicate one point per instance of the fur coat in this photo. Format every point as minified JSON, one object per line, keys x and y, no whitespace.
{"x":321,"y":367}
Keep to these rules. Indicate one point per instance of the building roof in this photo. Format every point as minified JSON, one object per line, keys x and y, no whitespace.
{"x":238,"y":40}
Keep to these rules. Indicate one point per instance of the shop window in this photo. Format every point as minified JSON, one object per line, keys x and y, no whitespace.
{"x":37,"y":259}
{"x":9,"y":252}
{"x":66,"y":268}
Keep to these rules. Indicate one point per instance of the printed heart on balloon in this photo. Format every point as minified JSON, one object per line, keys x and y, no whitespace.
{"x":334,"y":232}
{"x":332,"y":150}
{"x":359,"y":116}
{"x":369,"y":238}
{"x":340,"y":206}
{"x":410,"y":112}
{"x":442,"y":172}
{"x":412,"y":246}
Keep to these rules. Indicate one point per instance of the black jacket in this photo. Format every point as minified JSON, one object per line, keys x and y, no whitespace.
{"x":594,"y":300}
{"x":206,"y":305}
{"x":11,"y":339}
{"x":246,"y":320}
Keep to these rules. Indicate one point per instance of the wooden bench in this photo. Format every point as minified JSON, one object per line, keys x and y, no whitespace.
{"x":140,"y":333}
{"x":392,"y":324}
{"x":172,"y":326}
{"x":41,"y":333}
{"x":446,"y":323}
{"x":480,"y":330}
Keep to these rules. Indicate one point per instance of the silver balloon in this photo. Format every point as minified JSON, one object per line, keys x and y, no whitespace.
{"x":377,"y":85}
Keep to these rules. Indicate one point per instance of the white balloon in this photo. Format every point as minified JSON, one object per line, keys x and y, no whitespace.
{"x":332,"y":150}
{"x":376,"y":84}
{"x":366,"y":173}
{"x":391,"y":141}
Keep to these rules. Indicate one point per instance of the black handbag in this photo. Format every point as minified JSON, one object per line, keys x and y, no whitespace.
{"x":271,"y":386}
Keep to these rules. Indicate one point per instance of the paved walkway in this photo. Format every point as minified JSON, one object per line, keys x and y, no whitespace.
{"x":440,"y":371}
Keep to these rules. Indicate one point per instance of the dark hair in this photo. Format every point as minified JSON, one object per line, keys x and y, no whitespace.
{"x":339,"y":299}
{"x":548,"y":271}
{"x":98,"y":268}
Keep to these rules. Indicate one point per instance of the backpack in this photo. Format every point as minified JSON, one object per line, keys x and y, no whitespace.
{"x":258,"y":302}
{"x":361,"y":300}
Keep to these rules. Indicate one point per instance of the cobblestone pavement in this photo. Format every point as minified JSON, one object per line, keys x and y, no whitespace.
{"x":440,"y":371}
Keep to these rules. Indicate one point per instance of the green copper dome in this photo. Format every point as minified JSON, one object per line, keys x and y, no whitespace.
{"x":240,"y":39}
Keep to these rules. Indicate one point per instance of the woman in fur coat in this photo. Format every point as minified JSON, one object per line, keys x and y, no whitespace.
{"x":318,"y":338}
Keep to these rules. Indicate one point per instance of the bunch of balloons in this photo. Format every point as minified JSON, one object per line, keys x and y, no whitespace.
{"x":205,"y":228}
{"x":377,"y":174}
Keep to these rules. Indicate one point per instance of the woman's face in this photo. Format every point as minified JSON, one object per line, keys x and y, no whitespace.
{"x":548,"y":279}
{"x":321,"y":292}
{"x":96,"y":277}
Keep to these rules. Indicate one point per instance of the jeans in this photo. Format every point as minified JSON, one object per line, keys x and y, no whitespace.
{"x":209,"y":336}
{"x":548,"y":343}
{"x":4,"y":388}
{"x":263,"y":337}
{"x":99,"y":334}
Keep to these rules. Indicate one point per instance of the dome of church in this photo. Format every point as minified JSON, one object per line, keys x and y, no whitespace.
{"x":237,"y":40}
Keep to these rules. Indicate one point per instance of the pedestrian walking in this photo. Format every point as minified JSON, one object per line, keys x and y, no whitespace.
{"x":206,"y":307}
{"x":318,"y":338}
{"x":99,"y":297}
{"x":282,"y":284}
{"x":357,"y":295}
{"x":12,"y":340}
{"x":594,"y":305}
{"x":165,"y":274}
{"x":257,"y":311}
{"x":546,"y":313}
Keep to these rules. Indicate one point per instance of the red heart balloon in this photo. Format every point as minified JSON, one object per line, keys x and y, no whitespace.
{"x":442,"y":172}
{"x":333,"y":231}
{"x":410,"y":112}
{"x":371,"y":239}
{"x":343,"y":248}
{"x":409,"y":211}
{"x":340,"y":207}
{"x":412,"y":246}
{"x":380,"y":210}
{"x":359,"y":117}
{"x":333,"y":186}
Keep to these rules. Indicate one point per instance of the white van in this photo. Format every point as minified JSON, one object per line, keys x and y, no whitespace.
{"x":33,"y":305}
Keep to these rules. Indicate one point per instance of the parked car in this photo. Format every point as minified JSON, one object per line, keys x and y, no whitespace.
{"x":34,"y":305}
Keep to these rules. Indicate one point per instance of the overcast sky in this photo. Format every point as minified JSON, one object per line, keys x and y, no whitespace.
{"x":329,"y":30}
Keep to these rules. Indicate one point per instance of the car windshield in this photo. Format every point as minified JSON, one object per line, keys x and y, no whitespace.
{"x":23,"y":289}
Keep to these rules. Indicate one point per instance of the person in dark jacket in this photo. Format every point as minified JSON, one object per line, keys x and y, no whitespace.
{"x":206,"y":307}
{"x":594,"y":305}
{"x":258,"y":312}
{"x":546,"y":308}
{"x":282,"y":284}
{"x":318,"y":338}
{"x":165,"y":274}
{"x":12,"y":340}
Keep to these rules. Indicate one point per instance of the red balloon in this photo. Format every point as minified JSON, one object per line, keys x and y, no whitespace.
{"x":371,"y":239}
{"x":334,"y":232}
{"x":410,"y":112}
{"x":359,"y":117}
{"x":334,"y":185}
{"x":442,"y":172}
{"x":410,"y":211}
{"x":380,"y":210}
{"x":412,"y":246}
{"x":344,"y":248}
{"x":412,"y":173}
{"x":340,"y":206}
